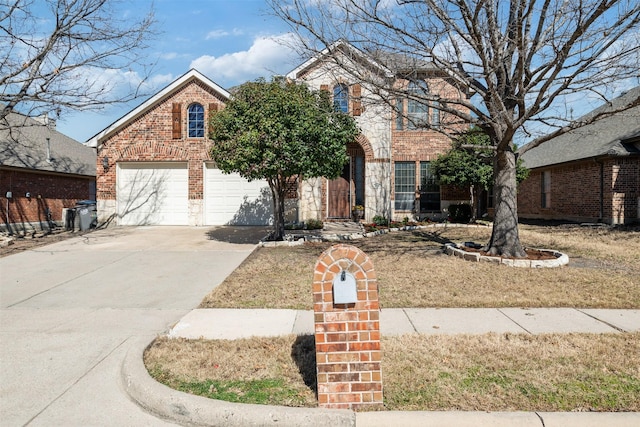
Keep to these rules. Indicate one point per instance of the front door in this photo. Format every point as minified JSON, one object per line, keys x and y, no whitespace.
{"x":339,"y":195}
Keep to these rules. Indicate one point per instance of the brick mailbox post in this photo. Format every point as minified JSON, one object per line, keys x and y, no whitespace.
{"x":347,"y":329}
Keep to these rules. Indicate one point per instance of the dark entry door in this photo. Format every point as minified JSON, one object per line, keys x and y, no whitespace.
{"x":339,"y":191}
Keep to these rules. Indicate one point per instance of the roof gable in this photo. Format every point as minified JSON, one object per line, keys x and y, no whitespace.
{"x":173,"y":87}
{"x":346,"y":49}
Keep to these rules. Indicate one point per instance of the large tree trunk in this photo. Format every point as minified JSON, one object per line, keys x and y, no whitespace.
{"x":278,"y":195}
{"x":504,"y":237}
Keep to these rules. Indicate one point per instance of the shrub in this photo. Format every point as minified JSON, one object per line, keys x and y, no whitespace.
{"x":314,"y":224}
{"x":460,"y":213}
{"x":380,"y":221}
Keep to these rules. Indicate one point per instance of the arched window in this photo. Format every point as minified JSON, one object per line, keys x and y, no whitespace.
{"x":341,"y":97}
{"x":196,"y":121}
{"x":417,"y":109}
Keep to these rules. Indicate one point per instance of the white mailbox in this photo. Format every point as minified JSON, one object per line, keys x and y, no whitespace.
{"x":345,"y":290}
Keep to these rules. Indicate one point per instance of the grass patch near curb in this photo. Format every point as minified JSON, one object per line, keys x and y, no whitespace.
{"x":412,"y":271}
{"x":491,"y":372}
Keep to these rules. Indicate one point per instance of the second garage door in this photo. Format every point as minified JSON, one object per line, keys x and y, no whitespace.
{"x":232,"y":200}
{"x":153,"y":193}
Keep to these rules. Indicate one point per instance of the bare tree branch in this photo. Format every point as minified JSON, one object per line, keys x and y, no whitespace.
{"x":58,"y":55}
{"x":523,"y":59}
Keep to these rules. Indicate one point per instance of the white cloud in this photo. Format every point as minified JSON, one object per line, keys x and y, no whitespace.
{"x":216,"y":34}
{"x":266,"y":56}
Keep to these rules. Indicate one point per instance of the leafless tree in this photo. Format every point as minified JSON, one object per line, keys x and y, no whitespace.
{"x":58,"y":55}
{"x":522,"y":59}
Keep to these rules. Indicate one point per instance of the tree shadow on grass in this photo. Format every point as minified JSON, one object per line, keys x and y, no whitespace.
{"x":303,"y":352}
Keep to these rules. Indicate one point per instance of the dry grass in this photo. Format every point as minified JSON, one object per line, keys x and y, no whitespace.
{"x":482,"y":372}
{"x":412,"y":271}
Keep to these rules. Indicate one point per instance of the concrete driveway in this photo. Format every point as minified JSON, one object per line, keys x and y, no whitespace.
{"x":70,"y":311}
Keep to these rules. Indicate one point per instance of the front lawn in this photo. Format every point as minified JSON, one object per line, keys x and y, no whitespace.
{"x":412,"y":271}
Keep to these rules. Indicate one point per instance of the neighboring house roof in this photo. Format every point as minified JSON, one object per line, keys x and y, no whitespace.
{"x":172,"y":87}
{"x":23,"y":144}
{"x":614,"y":135}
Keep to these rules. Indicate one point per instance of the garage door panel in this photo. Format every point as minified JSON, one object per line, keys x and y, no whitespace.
{"x":232,"y":200}
{"x":153,"y":194}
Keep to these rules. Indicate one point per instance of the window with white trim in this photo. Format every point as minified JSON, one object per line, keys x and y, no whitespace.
{"x":405,"y":185}
{"x":417,"y":109}
{"x":341,"y":97}
{"x":195,"y":120}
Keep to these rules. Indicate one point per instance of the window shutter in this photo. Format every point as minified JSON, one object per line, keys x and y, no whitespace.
{"x":356,"y":94}
{"x":176,"y":121}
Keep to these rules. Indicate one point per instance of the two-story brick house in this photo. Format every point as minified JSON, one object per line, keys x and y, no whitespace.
{"x":153,"y":164}
{"x":388,"y":172}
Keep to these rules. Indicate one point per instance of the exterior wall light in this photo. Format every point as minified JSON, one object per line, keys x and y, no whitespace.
{"x":105,"y":162}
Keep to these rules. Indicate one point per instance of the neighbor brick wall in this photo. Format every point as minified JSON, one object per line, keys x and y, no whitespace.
{"x":575,"y":192}
{"x":48,"y":191}
{"x":347,"y":336}
{"x":149,"y":138}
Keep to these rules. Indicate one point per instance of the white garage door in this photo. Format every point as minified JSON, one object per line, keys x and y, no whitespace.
{"x":153,"y":193}
{"x":232,"y":200}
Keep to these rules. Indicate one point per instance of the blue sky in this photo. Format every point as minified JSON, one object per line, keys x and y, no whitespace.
{"x":230,"y":41}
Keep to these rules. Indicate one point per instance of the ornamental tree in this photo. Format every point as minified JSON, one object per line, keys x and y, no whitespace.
{"x":278,"y":131}
{"x":469,"y":164}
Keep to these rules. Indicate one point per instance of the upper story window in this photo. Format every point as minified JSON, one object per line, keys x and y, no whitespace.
{"x":341,"y":97}
{"x":417,"y":109}
{"x":196,"y":121}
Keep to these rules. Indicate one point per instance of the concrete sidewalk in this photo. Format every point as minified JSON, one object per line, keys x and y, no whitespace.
{"x":244,"y":323}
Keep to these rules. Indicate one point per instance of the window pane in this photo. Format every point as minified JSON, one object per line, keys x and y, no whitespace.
{"x":429,"y":190}
{"x":359,"y":180}
{"x":341,"y":98}
{"x":417,"y":110}
{"x":196,"y":121}
{"x":405,"y":185}
{"x":399,"y":114}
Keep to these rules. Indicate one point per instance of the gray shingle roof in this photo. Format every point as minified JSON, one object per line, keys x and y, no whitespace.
{"x":23,"y":144}
{"x":615,"y":135}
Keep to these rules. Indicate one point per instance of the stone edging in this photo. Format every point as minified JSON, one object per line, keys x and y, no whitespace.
{"x":187,"y":409}
{"x":355,"y":236}
{"x":560,"y":258}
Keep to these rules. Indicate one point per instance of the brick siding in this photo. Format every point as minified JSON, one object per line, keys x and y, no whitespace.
{"x":149,"y":138}
{"x":48,"y":191}
{"x":575,"y":192}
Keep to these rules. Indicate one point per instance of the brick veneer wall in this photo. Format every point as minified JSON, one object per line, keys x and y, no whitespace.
{"x":575,"y":192}
{"x":347,"y":335}
{"x":48,"y":191}
{"x":149,"y":138}
{"x":425,"y":145}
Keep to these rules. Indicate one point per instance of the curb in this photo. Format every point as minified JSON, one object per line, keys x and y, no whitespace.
{"x":190,"y":410}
